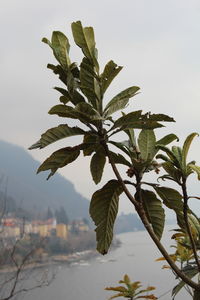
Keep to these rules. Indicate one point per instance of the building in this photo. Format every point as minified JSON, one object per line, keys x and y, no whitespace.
{"x":62,"y":231}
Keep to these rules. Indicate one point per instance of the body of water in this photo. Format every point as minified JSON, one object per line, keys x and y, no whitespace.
{"x":87,"y":280}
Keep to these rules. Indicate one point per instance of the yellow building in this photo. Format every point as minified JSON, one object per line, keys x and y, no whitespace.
{"x":83,"y":227}
{"x":11,"y":231}
{"x":62,"y":231}
{"x":43,"y":230}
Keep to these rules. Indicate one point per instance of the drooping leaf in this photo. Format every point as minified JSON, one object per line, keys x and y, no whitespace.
{"x":196,"y":169}
{"x":120,"y":101}
{"x":59,"y":159}
{"x":146,"y":142}
{"x":119,"y":159}
{"x":63,"y":111}
{"x":170,"y":154}
{"x":167,"y":139}
{"x":120,"y":146}
{"x":82,"y":111}
{"x":109,"y":73}
{"x":103,"y":210}
{"x":186,"y":146}
{"x":97,"y":165}
{"x":172,"y":171}
{"x":171,"y":198}
{"x":154,"y":211}
{"x":84,"y":38}
{"x":54,"y":134}
{"x":163,"y":157}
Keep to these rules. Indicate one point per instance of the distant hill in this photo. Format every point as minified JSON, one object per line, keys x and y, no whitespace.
{"x":128,"y":223}
{"x":34,"y":192}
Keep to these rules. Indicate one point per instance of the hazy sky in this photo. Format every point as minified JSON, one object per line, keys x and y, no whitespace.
{"x":156,"y":41}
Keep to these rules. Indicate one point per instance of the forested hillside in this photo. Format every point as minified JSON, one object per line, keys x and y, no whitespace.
{"x":31,"y":191}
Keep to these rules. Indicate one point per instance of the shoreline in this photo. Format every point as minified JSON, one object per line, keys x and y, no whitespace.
{"x":55,"y":260}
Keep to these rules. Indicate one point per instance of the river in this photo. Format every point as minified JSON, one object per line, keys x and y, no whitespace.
{"x":87,"y":280}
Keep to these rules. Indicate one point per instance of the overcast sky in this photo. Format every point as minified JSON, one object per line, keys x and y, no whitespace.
{"x":156,"y":41}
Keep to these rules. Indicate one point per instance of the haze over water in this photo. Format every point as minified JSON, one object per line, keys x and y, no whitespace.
{"x":86,"y":281}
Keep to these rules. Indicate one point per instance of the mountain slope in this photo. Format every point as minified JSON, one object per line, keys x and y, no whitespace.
{"x":33,"y":191}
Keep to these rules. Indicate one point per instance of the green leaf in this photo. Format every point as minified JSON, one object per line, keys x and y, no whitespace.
{"x":120,"y":101}
{"x":86,"y":110}
{"x":74,"y":98}
{"x":154,"y":211}
{"x":110,"y":71}
{"x":103,"y":210}
{"x":82,"y":111}
{"x":120,"y":146}
{"x":189,"y":271}
{"x":97,"y":165}
{"x":119,"y":159}
{"x":64,"y":99}
{"x":61,"y":46}
{"x":171,"y":198}
{"x":84,"y":38}
{"x":167,"y":139}
{"x":63,"y":111}
{"x":91,"y":142}
{"x":88,"y":82}
{"x":196,"y":169}
{"x":54,"y":134}
{"x":58,"y":70}
{"x":132,"y":117}
{"x":172,"y":171}
{"x":159,"y":118}
{"x":59,"y":159}
{"x":186,"y":146}
{"x":178,"y":154}
{"x":131,"y":135}
{"x":170,"y":154}
{"x":163,"y":157}
{"x":119,"y":105}
{"x":146,"y":142}
{"x":135,"y":120}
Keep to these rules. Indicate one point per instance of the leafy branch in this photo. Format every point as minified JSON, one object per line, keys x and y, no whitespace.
{"x":82,"y":100}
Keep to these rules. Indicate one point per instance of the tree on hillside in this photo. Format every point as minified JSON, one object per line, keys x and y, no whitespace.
{"x":61,"y":216}
{"x":49,"y":214}
{"x":82,"y":99}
